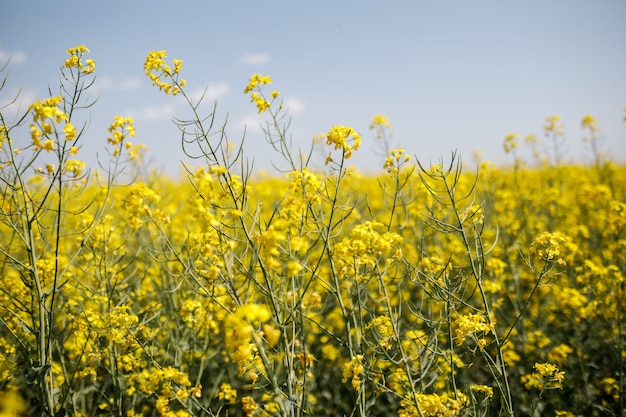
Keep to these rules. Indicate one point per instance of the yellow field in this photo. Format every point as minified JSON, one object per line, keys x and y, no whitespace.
{"x":420,"y":291}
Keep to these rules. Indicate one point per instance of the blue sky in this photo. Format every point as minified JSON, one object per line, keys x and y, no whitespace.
{"x":451,"y":75}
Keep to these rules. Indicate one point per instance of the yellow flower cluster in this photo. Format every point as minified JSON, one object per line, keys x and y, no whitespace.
{"x":227,"y":393}
{"x":591,"y":123}
{"x":485,"y":389}
{"x":249,"y":406}
{"x":255,"y":81}
{"x":171,"y":385}
{"x":137,"y":204}
{"x":354,"y":370}
{"x":547,"y":376}
{"x":257,"y":97}
{"x":434,"y":405}
{"x":243,"y":330}
{"x":74,"y":61}
{"x":380,"y":120}
{"x":365,"y":249}
{"x":395,"y":159}
{"x":474,"y":327}
{"x":344,"y":138}
{"x":74,"y":167}
{"x":158,"y":70}
{"x":3,"y":135}
{"x":511,"y":142}
{"x":553,"y":125}
{"x":384,"y":329}
{"x":120,"y":129}
{"x":548,"y":245}
{"x":45,"y":114}
{"x":380,"y":123}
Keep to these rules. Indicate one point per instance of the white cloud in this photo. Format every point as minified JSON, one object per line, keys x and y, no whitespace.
{"x":106,"y":82}
{"x":103,"y":82}
{"x":294,"y":105}
{"x":130,"y":84}
{"x":213,"y":92}
{"x":252,"y":123}
{"x":165,"y":112}
{"x":17,"y":58}
{"x":256,"y":58}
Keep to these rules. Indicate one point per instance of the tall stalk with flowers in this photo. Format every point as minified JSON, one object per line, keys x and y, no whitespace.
{"x":49,"y":220}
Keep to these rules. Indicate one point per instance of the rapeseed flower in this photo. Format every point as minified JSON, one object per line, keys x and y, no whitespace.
{"x":158,"y":70}
{"x":227,"y":393}
{"x":45,"y":113}
{"x":75,"y":60}
{"x":344,"y":138}
{"x":591,"y":123}
{"x":254,"y":84}
{"x":553,"y":125}
{"x":510,"y":142}
{"x":485,"y":389}
{"x":354,"y":371}
{"x":546,"y":376}
{"x":395,"y":158}
{"x":548,"y":247}
{"x":255,"y":81}
{"x":380,"y":123}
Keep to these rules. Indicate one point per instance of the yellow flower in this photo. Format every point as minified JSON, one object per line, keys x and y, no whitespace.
{"x":74,"y":61}
{"x":78,"y":50}
{"x":162,"y":405}
{"x":471,"y":325}
{"x":70,"y":131}
{"x":548,"y":371}
{"x":510,"y":142}
{"x":548,"y":247}
{"x":487,"y":390}
{"x":395,"y":158}
{"x":134,"y":151}
{"x":435,"y":169}
{"x":89,"y":67}
{"x":345,"y":138}
{"x":178,"y":65}
{"x":254,"y":83}
{"x":591,"y":123}
{"x":260,"y":102}
{"x":271,"y":334}
{"x":547,"y":376}
{"x":227,"y":393}
{"x":384,"y":327}
{"x":354,"y":369}
{"x":560,"y":413}
{"x":12,"y":405}
{"x":560,"y":353}
{"x":48,"y":145}
{"x":156,"y":69}
{"x":249,"y":406}
{"x":120,"y":128}
{"x":531,"y":139}
{"x":47,"y":109}
{"x":553,"y":125}
{"x":380,"y":120}
{"x":256,"y":80}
